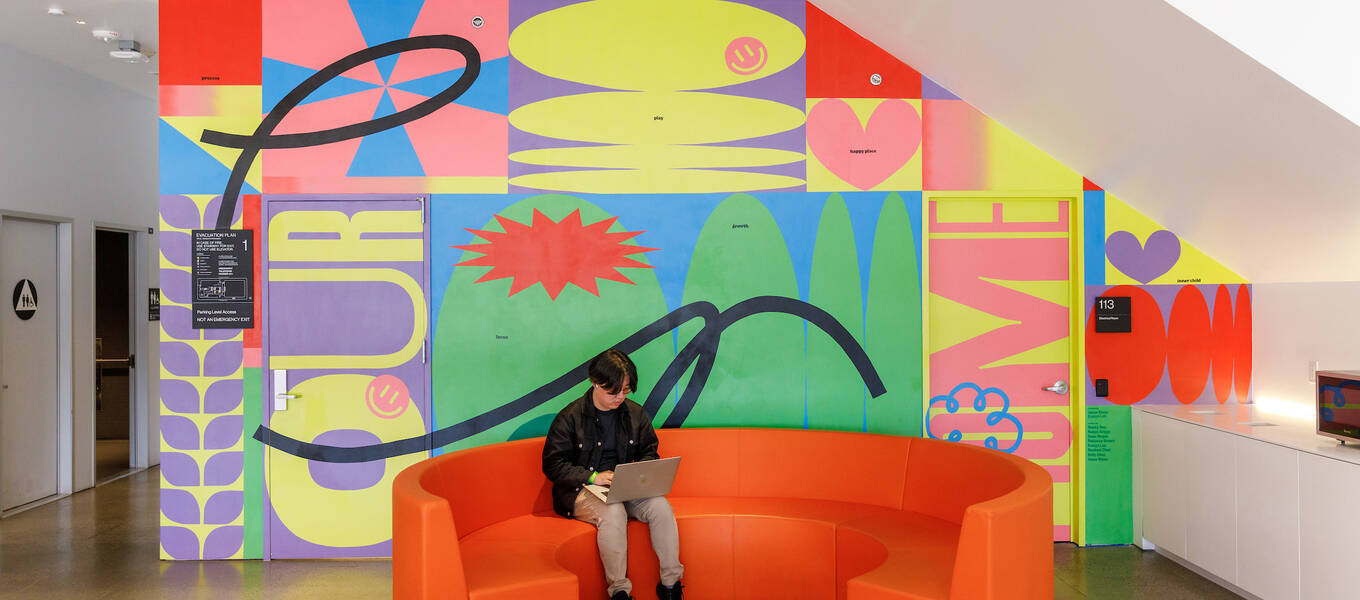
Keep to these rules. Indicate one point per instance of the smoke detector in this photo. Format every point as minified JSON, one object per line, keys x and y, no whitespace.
{"x":107,"y":35}
{"x":131,"y":51}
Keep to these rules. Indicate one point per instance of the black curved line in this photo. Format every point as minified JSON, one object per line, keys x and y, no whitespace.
{"x":486,"y":420}
{"x":816,"y":316}
{"x":674,"y":371}
{"x":704,"y":345}
{"x":697,"y":381}
{"x":263,"y":137}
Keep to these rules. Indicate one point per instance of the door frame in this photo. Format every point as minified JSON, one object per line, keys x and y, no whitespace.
{"x":140,"y":425}
{"x":1076,"y":298}
{"x":65,"y":352}
{"x":267,"y":391}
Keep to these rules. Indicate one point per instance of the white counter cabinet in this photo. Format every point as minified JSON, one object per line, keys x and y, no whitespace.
{"x":1273,"y":511}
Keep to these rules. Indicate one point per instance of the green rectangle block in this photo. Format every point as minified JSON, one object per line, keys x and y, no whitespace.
{"x":1109,"y":475}
{"x":254,"y":465}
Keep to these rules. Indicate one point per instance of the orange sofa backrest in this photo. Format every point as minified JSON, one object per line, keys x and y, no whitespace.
{"x":822,"y":465}
{"x":788,"y":463}
{"x":944,"y":478}
{"x":492,"y":483}
{"x":708,"y":465}
{"x":940,"y":479}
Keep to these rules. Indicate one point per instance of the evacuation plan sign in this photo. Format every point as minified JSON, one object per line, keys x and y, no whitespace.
{"x":223,"y":279}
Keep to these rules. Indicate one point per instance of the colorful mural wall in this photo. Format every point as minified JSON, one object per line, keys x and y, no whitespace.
{"x":1190,"y":343}
{"x":455,"y":204}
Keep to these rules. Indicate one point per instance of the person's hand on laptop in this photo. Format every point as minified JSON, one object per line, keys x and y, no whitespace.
{"x":604,"y":478}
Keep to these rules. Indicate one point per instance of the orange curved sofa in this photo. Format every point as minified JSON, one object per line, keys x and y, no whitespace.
{"x":762,"y":513}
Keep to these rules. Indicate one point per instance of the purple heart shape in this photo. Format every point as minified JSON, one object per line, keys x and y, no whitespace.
{"x":1142,"y":262}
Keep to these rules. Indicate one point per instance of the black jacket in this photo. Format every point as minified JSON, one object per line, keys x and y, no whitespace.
{"x":572,"y":448}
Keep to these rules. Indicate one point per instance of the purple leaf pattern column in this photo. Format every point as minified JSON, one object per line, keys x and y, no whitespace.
{"x":202,"y":482}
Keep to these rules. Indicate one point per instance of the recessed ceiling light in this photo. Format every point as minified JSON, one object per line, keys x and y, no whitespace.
{"x":56,"y":12}
{"x":80,"y":21}
{"x":131,"y":51}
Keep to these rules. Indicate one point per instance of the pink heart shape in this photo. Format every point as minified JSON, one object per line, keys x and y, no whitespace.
{"x":863,"y":156}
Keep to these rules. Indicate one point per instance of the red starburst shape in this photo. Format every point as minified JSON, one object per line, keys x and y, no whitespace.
{"x":555,"y":253}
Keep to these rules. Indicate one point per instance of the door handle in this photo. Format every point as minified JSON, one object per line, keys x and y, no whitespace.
{"x":1058,"y":388}
{"x":281,"y":395}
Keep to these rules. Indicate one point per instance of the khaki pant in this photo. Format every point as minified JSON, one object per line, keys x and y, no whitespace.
{"x":611,"y":524}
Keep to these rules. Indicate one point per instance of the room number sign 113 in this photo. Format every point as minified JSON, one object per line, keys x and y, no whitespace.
{"x":1113,"y":314}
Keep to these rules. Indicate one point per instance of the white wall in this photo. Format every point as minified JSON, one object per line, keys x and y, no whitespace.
{"x":75,"y":148}
{"x":1312,"y":43}
{"x":1295,"y":323}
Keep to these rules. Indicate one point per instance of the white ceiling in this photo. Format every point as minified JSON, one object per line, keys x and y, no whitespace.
{"x":1157,"y":110}
{"x":1309,"y":42}
{"x":25,"y":24}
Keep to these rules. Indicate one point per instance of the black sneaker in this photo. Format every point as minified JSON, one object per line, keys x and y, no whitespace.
{"x":620,"y":595}
{"x":669,"y":593}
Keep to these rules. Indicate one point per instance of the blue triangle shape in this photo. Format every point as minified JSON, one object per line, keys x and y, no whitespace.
{"x":185,"y":168}
{"x":383,"y":21}
{"x":280,"y":77}
{"x":386,"y":153}
{"x":489,"y":93}
{"x":385,"y":106}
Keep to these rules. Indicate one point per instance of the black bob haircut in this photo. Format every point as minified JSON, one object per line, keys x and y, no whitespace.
{"x":611,"y":369}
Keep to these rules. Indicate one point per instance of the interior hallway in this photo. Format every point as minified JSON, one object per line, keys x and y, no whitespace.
{"x":102,"y":544}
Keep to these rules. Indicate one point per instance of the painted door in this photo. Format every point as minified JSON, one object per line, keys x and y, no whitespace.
{"x":28,"y":331}
{"x":346,"y":325}
{"x":1000,"y":275}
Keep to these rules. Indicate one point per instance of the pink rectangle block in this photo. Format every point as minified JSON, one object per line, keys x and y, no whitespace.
{"x":252,"y":358}
{"x":953,"y":150}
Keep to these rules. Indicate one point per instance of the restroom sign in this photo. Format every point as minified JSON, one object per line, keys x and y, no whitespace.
{"x":25,"y":299}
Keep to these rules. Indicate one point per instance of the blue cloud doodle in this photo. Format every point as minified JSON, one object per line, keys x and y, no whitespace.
{"x":952,"y":404}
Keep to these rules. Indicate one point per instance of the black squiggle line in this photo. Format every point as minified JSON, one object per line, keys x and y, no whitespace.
{"x":703,"y":347}
{"x":263,"y":137}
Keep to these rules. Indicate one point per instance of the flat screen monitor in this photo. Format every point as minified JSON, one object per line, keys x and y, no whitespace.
{"x":1338,"y":405}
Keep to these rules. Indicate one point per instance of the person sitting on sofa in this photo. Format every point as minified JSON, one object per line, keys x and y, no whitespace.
{"x":586,"y":441}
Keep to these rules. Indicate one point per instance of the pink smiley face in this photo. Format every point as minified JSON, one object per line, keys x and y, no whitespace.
{"x":388,"y":396}
{"x":746,"y":55}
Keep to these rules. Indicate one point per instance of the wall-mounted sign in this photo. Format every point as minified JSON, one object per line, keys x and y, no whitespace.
{"x":223,"y":279}
{"x":1114,"y":314}
{"x":25,"y":299}
{"x":153,"y":304}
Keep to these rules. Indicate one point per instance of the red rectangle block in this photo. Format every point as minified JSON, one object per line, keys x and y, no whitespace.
{"x":210,"y":42}
{"x":250,"y":218}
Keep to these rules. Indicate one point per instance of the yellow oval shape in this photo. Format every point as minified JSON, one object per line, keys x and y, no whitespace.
{"x":657,"y":157}
{"x":655,"y":117}
{"x":657,"y":46}
{"x":655,"y":181}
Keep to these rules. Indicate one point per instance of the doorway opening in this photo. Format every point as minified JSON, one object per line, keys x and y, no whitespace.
{"x":114,"y":344}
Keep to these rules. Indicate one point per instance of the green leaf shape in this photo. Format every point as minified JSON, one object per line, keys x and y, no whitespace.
{"x":835,"y":393}
{"x":757,"y":380}
{"x":893,"y":319}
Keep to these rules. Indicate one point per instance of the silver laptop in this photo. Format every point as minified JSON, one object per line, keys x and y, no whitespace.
{"x":635,"y":480}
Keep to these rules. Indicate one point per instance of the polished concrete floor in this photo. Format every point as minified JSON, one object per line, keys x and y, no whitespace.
{"x":110,"y":458}
{"x":102,"y":544}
